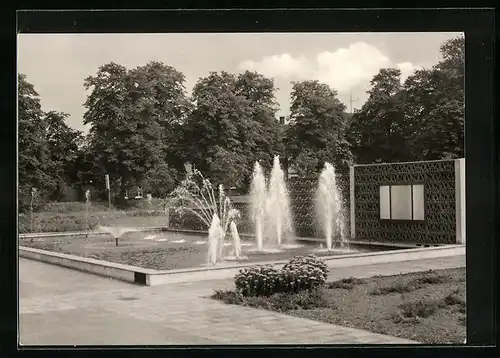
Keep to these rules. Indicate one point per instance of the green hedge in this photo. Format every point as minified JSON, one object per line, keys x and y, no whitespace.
{"x":76,"y":221}
{"x":189,"y":221}
{"x":79,"y":206}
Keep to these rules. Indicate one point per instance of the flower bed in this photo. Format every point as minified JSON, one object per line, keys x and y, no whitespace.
{"x":428,"y":307}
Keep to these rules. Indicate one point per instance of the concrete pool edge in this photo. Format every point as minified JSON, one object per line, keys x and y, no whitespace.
{"x":149,"y":277}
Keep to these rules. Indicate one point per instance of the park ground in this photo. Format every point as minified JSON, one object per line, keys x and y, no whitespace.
{"x":59,"y":306}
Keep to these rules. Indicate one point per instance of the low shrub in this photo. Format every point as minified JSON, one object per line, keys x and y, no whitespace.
{"x":304,"y":273}
{"x":421,"y":308}
{"x":59,"y":222}
{"x":346,"y":283}
{"x":186,"y":220}
{"x":395,"y":287}
{"x":288,"y":301}
{"x":281,"y":302}
{"x":399,"y":318}
{"x":307,"y":299}
{"x":71,"y":207}
{"x":300,"y":273}
{"x":429,"y":278}
{"x":228,"y":296}
{"x":54,"y":221}
{"x":454,"y":299}
{"x":259,"y":280}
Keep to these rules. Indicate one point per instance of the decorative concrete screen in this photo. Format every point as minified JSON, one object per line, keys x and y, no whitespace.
{"x":417,"y":202}
{"x":302,"y":197}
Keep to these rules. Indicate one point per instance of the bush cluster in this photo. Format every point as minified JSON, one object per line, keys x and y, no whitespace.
{"x":186,"y":220}
{"x":422,"y":308}
{"x":300,"y":273}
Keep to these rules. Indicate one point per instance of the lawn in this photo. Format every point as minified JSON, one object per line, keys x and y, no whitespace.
{"x":72,"y":216}
{"x":428,"y":307}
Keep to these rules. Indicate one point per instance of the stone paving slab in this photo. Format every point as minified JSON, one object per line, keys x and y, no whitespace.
{"x":63,"y":306}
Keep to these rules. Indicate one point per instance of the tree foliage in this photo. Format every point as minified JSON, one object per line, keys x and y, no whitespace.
{"x":135,"y":116}
{"x":64,"y":147}
{"x":33,"y":151}
{"x":232,"y":126}
{"x":435,"y":105}
{"x":317,"y":128}
{"x":378,"y":131}
{"x":422,"y":119}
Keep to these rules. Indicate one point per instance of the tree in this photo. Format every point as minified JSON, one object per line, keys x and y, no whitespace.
{"x":317,"y":128}
{"x":135,"y":117}
{"x":420,"y":120}
{"x":378,"y":132}
{"x":212,"y":124}
{"x":435,"y":105}
{"x":232,"y":126}
{"x":159,"y":93}
{"x":160,"y":180}
{"x":34,"y":156}
{"x":63,"y":144}
{"x":260,"y":134}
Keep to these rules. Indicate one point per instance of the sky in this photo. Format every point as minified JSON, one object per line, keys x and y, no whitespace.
{"x":57,"y":64}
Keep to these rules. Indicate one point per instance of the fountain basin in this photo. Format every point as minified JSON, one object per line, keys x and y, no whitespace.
{"x":171,"y":251}
{"x":224,"y":270}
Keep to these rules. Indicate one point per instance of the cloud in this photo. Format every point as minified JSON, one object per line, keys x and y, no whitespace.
{"x":343,"y":69}
{"x":282,"y":65}
{"x":407,"y":69}
{"x":349,"y":67}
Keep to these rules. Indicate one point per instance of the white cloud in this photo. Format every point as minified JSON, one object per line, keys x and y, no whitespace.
{"x":282,"y":65}
{"x":348,"y":67}
{"x":343,"y":69}
{"x":407,"y":69}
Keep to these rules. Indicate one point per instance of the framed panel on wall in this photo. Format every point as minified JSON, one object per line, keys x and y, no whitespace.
{"x":402,"y":203}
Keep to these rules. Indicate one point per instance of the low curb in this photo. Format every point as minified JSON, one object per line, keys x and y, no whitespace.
{"x":149,"y":277}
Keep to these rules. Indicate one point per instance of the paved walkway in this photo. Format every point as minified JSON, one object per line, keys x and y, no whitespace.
{"x":60,"y":306}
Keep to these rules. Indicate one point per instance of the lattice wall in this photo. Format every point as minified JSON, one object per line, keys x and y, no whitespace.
{"x":439,"y":226}
{"x":302,"y":196}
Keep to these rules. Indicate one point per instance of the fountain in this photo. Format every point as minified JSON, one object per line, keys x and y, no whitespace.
{"x":87,"y":215}
{"x":258,"y":195}
{"x":214,"y":236}
{"x":278,"y":204}
{"x":329,"y":210}
{"x":117,"y":231}
{"x":236,"y":240}
{"x":197,"y":196}
{"x":149,"y":199}
{"x":271,"y":203}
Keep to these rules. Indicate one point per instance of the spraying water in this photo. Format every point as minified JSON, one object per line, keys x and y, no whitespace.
{"x":87,"y":215}
{"x":278,"y":204}
{"x":214,"y":234}
{"x":258,"y":195}
{"x":197,"y":196}
{"x":329,"y":210}
{"x":236,"y":240}
{"x":117,"y":231}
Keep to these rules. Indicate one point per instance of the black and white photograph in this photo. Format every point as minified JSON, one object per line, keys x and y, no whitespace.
{"x":252,"y":188}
